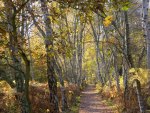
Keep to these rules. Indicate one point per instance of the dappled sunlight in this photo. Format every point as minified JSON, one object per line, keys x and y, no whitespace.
{"x":74,"y":56}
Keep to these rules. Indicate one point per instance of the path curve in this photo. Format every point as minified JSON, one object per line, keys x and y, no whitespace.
{"x":91,"y":102}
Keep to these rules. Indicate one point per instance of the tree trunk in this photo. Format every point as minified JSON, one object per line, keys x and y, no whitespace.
{"x":146,"y":26}
{"x":63,"y":90}
{"x":51,"y":75}
{"x":116,"y":71}
{"x":128,"y":41}
{"x":137,"y":85}
{"x":97,"y":49}
{"x":80,"y":53}
{"x":21,"y":78}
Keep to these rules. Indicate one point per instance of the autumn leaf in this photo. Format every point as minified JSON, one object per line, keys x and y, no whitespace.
{"x":107,"y":21}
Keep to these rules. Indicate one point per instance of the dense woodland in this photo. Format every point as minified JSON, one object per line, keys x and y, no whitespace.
{"x":50,"y":50}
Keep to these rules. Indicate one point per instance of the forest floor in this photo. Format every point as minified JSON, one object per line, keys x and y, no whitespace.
{"x":91,"y":102}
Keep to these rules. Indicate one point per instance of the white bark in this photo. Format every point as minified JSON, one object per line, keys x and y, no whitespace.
{"x":146,"y":27}
{"x":137,"y":85}
{"x":98,"y":54}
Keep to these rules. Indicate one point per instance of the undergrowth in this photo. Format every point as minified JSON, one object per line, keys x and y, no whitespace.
{"x":74,"y":108}
{"x":39,"y":97}
{"x":113,"y":97}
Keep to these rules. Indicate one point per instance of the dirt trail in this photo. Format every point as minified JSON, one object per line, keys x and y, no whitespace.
{"x":91,"y":102}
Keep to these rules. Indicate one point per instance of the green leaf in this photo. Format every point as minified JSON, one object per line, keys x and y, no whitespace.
{"x":125,"y":8}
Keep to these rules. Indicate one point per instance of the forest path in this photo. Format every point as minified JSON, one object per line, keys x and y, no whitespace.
{"x":91,"y":102}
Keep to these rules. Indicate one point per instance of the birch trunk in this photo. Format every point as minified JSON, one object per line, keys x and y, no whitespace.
{"x":127,"y":41}
{"x":97,"y":49}
{"x":137,"y":85}
{"x":51,"y":75}
{"x":146,"y":26}
{"x":80,"y":52}
{"x":63,"y":90}
{"x":116,"y":71}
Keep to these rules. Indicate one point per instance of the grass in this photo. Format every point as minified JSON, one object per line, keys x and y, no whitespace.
{"x":108,"y":102}
{"x":75,"y":106}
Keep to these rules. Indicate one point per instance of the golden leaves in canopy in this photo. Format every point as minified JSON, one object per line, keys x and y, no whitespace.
{"x":107,"y":21}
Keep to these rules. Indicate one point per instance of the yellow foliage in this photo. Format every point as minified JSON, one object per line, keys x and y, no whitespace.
{"x":109,"y":41}
{"x":5,"y":88}
{"x":1,"y":4}
{"x":98,"y":87}
{"x":140,"y":74}
{"x":66,"y":84}
{"x":112,"y":40}
{"x":107,"y":21}
{"x":38,"y":50}
{"x":148,"y":101}
{"x":2,"y":49}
